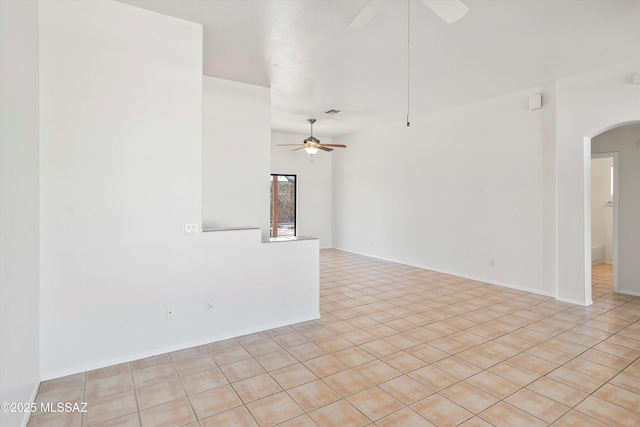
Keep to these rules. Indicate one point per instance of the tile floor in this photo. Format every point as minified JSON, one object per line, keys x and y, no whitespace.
{"x":396,"y":346}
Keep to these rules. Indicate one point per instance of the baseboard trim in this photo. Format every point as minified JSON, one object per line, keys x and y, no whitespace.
{"x":162,"y":350}
{"x":575,"y":301}
{"x":453,"y":273}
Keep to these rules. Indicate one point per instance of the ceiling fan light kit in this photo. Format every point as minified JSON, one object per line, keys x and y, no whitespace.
{"x":312,"y":144}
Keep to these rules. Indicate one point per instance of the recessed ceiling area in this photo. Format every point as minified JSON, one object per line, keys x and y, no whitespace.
{"x":305,"y":52}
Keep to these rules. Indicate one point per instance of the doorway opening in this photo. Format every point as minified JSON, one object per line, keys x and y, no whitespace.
{"x":283,"y":205}
{"x":604,"y":248}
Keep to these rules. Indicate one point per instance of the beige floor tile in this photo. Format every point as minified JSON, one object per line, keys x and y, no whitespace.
{"x":469,"y":397}
{"x":404,"y":362}
{"x":300,"y":421}
{"x":108,"y":386}
{"x":441,"y":411}
{"x":334,"y":344}
{"x":188,"y":352}
{"x":71,"y":381}
{"x":214,"y":401}
{"x":158,"y":393}
{"x":405,"y":418}
{"x":633,"y":369}
{"x":433,"y":377}
{"x":532,"y":363}
{"x":493,"y":384}
{"x":257,"y":387}
{"x":204,"y":380}
{"x":575,"y":379}
{"x":131,"y":420}
{"x":230,"y":355}
{"x":218,"y":346}
{"x":558,"y":391}
{"x":379,"y":348}
{"x":428,"y":353}
{"x":457,"y":367}
{"x":150,"y":361}
{"x":261,"y":347}
{"x":251,"y":338}
{"x":375,"y":403}
{"x":476,"y":422}
{"x":377,"y":371}
{"x":537,"y":405}
{"x":617,"y":350}
{"x":306,"y":351}
{"x":146,"y":376}
{"x":608,"y":413}
{"x":274,"y":409}
{"x":293,"y":376}
{"x":504,"y":415}
{"x":514,"y":373}
{"x":605,"y":359}
{"x":358,"y":337}
{"x":627,"y":381}
{"x":192,"y":364}
{"x":313,"y":395}
{"x":353,"y":356}
{"x":276,"y":360}
{"x":591,"y":369}
{"x":56,"y":420}
{"x":175,"y":413}
{"x":325,"y":365}
{"x":339,"y":413}
{"x":291,"y":339}
{"x":237,"y":417}
{"x":241,"y":370}
{"x":578,"y":419}
{"x":406,"y":389}
{"x":619,"y":396}
{"x":73,"y":395}
{"x":110,"y":407}
{"x":479,"y":358}
{"x":347,"y":382}
{"x":109,"y":371}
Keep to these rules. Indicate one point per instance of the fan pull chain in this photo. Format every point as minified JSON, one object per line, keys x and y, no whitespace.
{"x":408,"y":60}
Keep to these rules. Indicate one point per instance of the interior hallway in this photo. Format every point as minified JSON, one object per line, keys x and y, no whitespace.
{"x":396,"y":346}
{"x":601,"y":280}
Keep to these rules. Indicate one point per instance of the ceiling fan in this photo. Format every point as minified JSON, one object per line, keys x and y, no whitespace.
{"x":449,"y":10}
{"x":312,"y":144}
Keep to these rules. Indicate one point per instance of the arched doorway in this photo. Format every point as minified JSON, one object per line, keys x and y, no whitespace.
{"x":621,"y":142}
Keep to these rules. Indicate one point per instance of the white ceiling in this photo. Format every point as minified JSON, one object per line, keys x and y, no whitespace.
{"x":305,"y":52}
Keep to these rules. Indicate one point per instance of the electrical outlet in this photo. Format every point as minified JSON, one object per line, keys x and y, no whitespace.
{"x":208,"y":307}
{"x":170,"y":312}
{"x":492,"y":263}
{"x":190,"y":229}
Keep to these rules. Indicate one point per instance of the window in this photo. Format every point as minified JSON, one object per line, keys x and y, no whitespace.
{"x":283,"y":205}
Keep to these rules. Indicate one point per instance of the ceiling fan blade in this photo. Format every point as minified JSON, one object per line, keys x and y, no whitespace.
{"x":323,"y":148}
{"x":335,"y":145}
{"x":289,"y":145}
{"x":366,"y":13}
{"x":449,"y":10}
{"x":299,"y":148}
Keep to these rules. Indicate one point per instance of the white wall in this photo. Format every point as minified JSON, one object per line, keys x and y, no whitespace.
{"x":625,"y":141}
{"x":455,"y":190}
{"x":601,"y":210}
{"x":236,"y":129}
{"x":19,"y":200}
{"x":588,"y":104}
{"x":121,"y":158}
{"x":313,"y":183}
